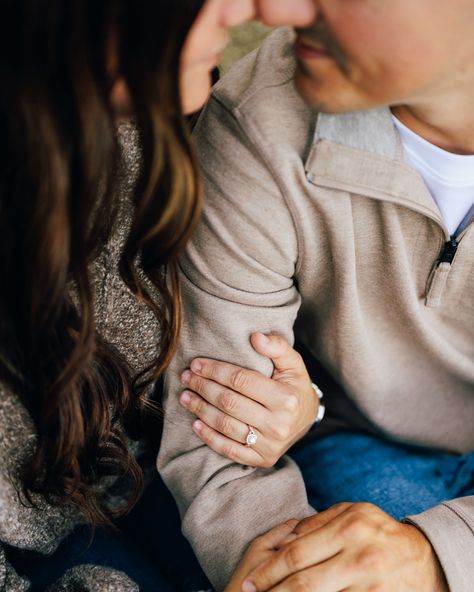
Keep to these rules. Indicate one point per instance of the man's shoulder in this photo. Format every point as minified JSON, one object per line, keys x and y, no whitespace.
{"x":263,"y":79}
{"x":259,"y":91}
{"x":270,"y":66}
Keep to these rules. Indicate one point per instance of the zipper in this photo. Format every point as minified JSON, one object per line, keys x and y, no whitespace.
{"x":442,"y":267}
{"x":449,"y":252}
{"x":441,"y":272}
{"x":439,"y":277}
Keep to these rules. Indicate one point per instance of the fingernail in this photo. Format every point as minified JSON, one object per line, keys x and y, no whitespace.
{"x":185,"y":398}
{"x":186,"y":377}
{"x":197,"y":425}
{"x":248,"y":586}
{"x":196,"y":366}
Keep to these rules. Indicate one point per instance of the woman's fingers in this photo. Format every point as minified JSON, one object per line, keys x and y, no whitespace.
{"x":227,"y":447}
{"x":227,"y":400}
{"x":280,"y":409}
{"x":270,"y":392}
{"x":252,"y":385}
{"x":218,"y":420}
{"x":234,"y":430}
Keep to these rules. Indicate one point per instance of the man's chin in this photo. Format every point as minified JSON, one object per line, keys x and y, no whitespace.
{"x":323,"y":100}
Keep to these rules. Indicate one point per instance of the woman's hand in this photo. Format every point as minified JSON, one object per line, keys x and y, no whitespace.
{"x":351,"y":547}
{"x":228,"y":400}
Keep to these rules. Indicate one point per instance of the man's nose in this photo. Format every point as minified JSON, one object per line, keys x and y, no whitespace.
{"x":297,"y":13}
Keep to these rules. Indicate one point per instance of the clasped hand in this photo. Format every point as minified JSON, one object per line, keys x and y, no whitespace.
{"x":227,"y":399}
{"x":348,"y":548}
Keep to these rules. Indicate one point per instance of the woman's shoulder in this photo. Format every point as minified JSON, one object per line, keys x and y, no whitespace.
{"x":122,"y":320}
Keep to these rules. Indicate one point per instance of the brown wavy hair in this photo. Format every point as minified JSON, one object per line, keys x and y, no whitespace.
{"x":58,"y":168}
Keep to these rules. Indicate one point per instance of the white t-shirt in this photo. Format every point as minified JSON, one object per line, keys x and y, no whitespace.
{"x":448,"y":176}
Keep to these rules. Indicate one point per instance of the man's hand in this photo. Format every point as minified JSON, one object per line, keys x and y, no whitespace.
{"x":228,"y":399}
{"x":351,"y":547}
{"x":260,"y":550}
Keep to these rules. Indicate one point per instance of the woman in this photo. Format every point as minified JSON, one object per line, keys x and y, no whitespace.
{"x":88,"y":317}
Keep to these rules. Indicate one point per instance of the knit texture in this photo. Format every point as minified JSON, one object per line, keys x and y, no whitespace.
{"x":133,"y":330}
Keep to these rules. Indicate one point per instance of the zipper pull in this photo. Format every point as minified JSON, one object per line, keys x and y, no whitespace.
{"x":449,"y":252}
{"x":440,"y":275}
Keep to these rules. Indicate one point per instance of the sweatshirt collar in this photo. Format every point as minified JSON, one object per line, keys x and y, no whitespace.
{"x":362,"y":153}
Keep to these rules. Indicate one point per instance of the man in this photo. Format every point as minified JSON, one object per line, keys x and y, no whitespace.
{"x":348,"y":225}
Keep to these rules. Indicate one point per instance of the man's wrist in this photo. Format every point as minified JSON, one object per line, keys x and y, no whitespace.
{"x":430,"y":559}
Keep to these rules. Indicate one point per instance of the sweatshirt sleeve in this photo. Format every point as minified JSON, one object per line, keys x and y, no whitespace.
{"x":237,"y":277}
{"x":450,"y":529}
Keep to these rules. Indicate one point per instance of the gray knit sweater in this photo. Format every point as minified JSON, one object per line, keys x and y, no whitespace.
{"x":133,"y":330}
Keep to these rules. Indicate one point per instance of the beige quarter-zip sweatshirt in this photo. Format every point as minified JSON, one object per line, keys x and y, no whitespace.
{"x":317,"y":228}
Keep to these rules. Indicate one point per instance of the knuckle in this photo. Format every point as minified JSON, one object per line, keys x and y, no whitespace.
{"x":355,"y":526}
{"x":282,"y":432}
{"x":206,"y":436}
{"x":227,"y":401}
{"x":294,"y":557}
{"x":291,"y":403}
{"x":239,"y":379}
{"x":308,"y":522}
{"x":342,"y":505}
{"x":300,"y":582}
{"x":366,"y":508}
{"x":370,"y":559}
{"x":224,"y":424}
{"x":230,"y":451}
{"x":197,"y":384}
{"x":212,"y":371}
{"x":198,"y":406}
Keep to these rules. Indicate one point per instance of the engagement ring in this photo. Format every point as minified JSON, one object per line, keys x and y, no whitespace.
{"x":251,"y":437}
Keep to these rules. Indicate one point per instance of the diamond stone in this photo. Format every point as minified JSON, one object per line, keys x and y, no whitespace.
{"x":251,"y":439}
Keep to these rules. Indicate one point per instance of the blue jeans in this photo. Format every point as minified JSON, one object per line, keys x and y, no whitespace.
{"x":402,"y":480}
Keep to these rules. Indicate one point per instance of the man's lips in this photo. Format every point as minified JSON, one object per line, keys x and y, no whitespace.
{"x":306,"y":50}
